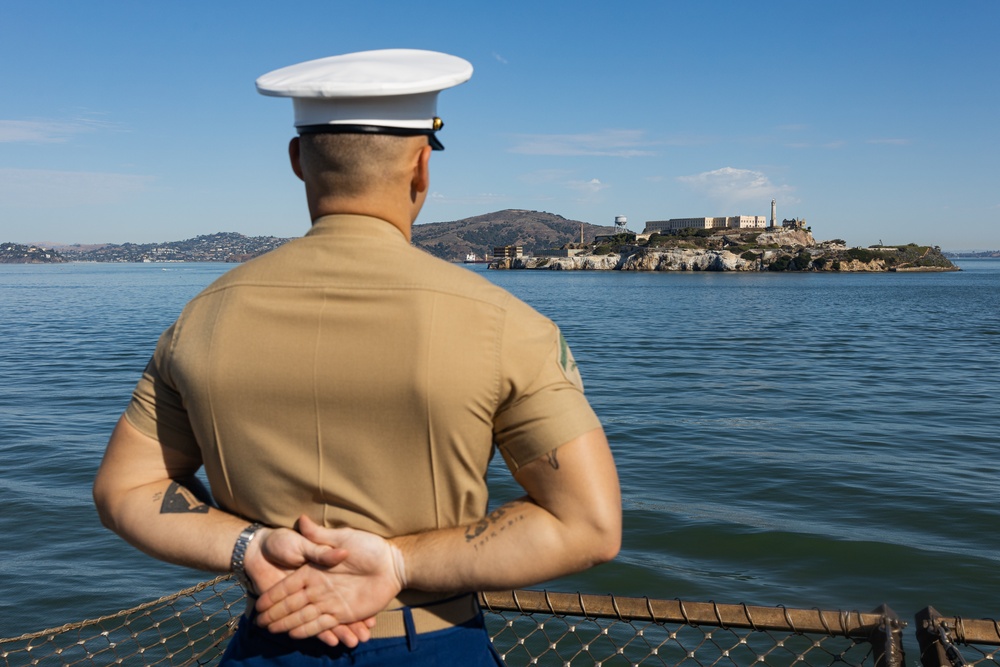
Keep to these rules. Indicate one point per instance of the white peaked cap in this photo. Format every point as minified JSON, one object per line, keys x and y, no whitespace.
{"x":390,"y":91}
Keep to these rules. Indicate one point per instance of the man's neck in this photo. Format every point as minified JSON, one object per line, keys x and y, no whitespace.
{"x":400,"y":219}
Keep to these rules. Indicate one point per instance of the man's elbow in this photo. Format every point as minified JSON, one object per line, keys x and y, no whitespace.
{"x":608,"y":542}
{"x":602,"y":540}
{"x":105,"y":501}
{"x":101,"y":503}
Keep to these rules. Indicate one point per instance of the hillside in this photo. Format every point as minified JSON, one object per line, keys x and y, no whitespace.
{"x":537,"y":231}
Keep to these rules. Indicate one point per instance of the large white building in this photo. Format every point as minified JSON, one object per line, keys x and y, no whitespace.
{"x":730,"y":222}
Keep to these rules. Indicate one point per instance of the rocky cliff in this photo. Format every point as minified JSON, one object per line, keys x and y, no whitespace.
{"x":797,"y":252}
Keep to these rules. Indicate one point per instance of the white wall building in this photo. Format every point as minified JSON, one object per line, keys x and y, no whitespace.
{"x":730,"y":222}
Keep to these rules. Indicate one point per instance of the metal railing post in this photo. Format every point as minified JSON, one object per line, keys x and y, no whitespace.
{"x":887,"y":640}
{"x":936,"y":647}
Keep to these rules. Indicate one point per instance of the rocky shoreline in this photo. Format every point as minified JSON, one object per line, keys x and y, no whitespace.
{"x":774,"y":251}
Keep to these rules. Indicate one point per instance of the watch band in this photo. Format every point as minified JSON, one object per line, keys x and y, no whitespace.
{"x":236,"y":563}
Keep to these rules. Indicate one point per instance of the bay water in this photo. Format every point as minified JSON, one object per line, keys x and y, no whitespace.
{"x":812,"y":440}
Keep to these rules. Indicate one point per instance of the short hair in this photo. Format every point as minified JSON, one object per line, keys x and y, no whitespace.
{"x":349,"y":165}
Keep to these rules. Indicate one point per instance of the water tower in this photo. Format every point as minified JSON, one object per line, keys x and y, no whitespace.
{"x":620,"y":222}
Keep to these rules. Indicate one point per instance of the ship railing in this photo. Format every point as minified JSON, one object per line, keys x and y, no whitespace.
{"x":533,"y":627}
{"x":546,"y":628}
{"x":953,"y":641}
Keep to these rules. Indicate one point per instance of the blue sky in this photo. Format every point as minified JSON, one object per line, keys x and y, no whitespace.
{"x":139,"y":121}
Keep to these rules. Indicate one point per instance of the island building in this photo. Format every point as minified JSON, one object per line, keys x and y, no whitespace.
{"x":724,"y":222}
{"x":507,"y":251}
{"x":774,"y":212}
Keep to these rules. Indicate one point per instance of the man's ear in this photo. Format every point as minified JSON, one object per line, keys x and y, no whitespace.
{"x":421,"y":171}
{"x":293,"y":156}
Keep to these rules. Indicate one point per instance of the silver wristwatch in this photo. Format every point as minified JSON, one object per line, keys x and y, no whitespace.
{"x":239,"y":554}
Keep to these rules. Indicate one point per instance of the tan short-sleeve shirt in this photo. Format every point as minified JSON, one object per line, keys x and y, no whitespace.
{"x":352,"y":377}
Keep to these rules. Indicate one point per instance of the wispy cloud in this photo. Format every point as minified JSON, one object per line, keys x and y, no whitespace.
{"x":499,"y":58}
{"x":891,"y":142}
{"x":610,"y":143}
{"x":730,"y":185}
{"x":569,"y":179}
{"x":42,"y":188}
{"x":591,"y":187}
{"x":27,"y":131}
{"x":46,"y":131}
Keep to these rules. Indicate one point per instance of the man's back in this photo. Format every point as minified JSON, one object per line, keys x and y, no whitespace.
{"x":349,"y":379}
{"x":356,"y":379}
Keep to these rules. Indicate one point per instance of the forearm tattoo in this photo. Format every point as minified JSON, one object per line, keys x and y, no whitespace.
{"x":180,"y":500}
{"x":494,"y":523}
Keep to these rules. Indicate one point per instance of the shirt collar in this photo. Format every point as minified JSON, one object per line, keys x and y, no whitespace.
{"x":346,"y":224}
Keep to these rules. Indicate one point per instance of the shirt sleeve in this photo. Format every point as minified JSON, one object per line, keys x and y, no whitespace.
{"x":543,"y":405}
{"x":157,"y":409}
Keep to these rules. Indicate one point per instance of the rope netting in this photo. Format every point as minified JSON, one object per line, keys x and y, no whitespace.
{"x":532,"y":628}
{"x":187,"y":628}
{"x":561,"y":641}
{"x":540,"y":628}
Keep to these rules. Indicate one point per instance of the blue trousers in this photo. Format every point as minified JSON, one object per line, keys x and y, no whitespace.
{"x":466,"y":644}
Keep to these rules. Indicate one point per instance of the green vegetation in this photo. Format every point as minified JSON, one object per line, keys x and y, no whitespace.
{"x":802,"y":261}
{"x":700,"y":233}
{"x":922,"y":256}
{"x":657,"y":240}
{"x":861,"y":254}
{"x":780,"y":263}
{"x":910,"y":255}
{"x":615,"y":243}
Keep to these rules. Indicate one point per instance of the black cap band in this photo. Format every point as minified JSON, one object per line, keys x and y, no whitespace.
{"x":343,"y":128}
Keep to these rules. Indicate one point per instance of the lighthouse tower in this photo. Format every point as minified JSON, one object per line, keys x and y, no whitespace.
{"x":774,"y":213}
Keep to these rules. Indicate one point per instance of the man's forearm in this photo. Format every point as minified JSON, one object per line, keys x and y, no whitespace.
{"x":518,"y":544}
{"x":148,"y":495}
{"x":168,"y":521}
{"x":569,"y":521}
{"x":144,"y":493}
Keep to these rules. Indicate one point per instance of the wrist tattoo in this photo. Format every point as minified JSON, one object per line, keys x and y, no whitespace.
{"x":494,"y":523}
{"x":180,"y":500}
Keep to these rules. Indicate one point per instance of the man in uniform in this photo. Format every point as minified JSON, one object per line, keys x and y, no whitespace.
{"x":345,"y":394}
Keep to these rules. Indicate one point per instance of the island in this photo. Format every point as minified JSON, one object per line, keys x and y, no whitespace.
{"x":790,"y":248}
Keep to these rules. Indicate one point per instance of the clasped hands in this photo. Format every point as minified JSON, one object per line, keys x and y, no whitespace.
{"x":320,"y":582}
